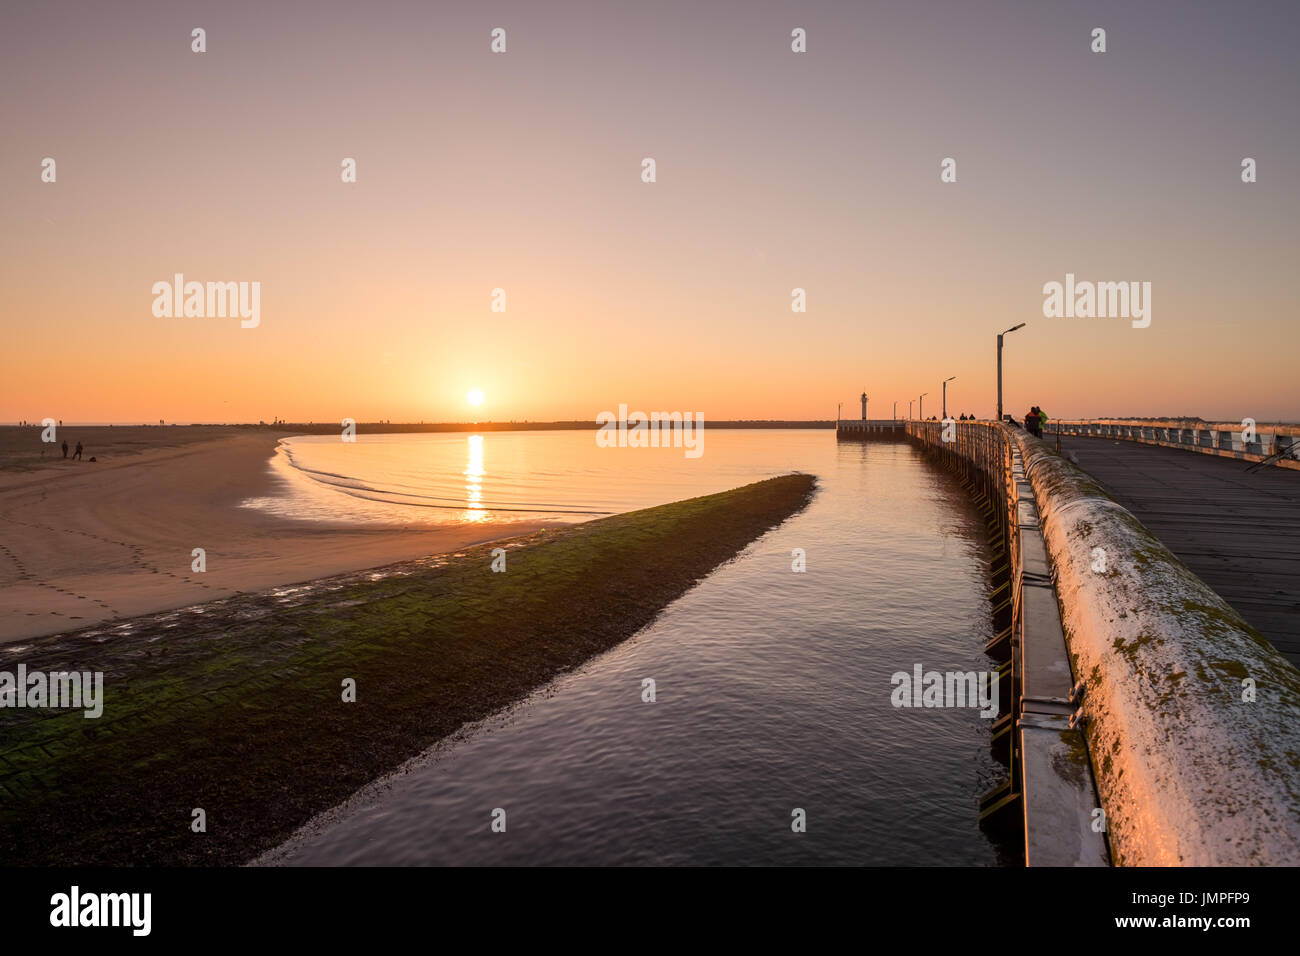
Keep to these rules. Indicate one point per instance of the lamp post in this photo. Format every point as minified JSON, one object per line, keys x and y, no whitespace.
{"x":909,"y":408}
{"x":895,"y":411}
{"x":945,"y":394}
{"x":1000,"y":334}
{"x":920,"y":406}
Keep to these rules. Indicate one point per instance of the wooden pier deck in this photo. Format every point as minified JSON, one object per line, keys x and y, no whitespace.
{"x":1238,"y":531}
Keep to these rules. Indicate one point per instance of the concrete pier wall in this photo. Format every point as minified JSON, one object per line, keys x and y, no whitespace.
{"x":1192,"y":718}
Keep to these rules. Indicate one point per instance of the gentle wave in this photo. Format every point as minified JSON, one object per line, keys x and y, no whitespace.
{"x":529,"y":477}
{"x":358,"y":488}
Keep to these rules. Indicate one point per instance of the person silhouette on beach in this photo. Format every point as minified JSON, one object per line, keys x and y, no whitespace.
{"x":65,"y":448}
{"x":77,"y":454}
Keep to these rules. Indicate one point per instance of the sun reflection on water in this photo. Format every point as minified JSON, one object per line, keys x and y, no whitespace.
{"x":474,"y":480}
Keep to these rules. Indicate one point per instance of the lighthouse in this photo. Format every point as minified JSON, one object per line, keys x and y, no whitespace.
{"x":864,"y":406}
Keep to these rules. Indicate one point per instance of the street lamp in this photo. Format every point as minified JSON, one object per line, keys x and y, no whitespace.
{"x":909,"y":409}
{"x":920,"y":406}
{"x":1007,"y":332}
{"x":945,"y":394}
{"x":895,"y":411}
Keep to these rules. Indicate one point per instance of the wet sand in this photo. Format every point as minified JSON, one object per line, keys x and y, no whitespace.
{"x":83,"y":542}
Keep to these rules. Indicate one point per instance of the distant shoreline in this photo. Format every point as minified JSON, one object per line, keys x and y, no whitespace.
{"x":394,"y":428}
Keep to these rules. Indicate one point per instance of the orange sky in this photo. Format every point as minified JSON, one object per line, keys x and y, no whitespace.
{"x":522,"y":171}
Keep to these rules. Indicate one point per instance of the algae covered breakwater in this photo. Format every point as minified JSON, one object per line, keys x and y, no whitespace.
{"x":236,"y":707}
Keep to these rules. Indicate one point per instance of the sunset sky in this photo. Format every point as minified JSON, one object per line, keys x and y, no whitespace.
{"x":522,"y":171}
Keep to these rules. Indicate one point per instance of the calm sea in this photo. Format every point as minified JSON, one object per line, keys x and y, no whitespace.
{"x":772,"y":687}
{"x":513,"y":476}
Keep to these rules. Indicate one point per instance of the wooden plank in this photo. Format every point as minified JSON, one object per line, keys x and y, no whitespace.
{"x":1238,"y":531}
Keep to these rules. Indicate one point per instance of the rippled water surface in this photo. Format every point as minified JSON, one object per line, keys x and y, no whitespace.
{"x":513,"y":476}
{"x":773,"y":693}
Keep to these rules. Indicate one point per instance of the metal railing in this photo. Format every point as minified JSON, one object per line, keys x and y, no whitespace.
{"x":868,"y":429}
{"x":980,"y":453}
{"x":1035,"y":734}
{"x":1274,"y":441}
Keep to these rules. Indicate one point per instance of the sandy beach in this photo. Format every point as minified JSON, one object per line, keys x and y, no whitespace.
{"x":83,"y":542}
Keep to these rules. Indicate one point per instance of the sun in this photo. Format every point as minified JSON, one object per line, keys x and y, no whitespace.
{"x":474,"y":396}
